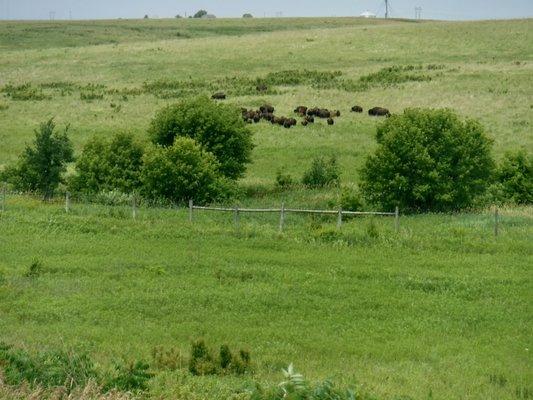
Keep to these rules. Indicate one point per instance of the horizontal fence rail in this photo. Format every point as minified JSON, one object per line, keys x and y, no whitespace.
{"x":282,"y":211}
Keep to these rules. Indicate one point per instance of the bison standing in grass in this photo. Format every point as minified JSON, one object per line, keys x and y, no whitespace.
{"x":379,"y":112}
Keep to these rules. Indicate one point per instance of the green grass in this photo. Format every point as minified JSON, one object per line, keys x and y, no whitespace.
{"x":442,"y":310}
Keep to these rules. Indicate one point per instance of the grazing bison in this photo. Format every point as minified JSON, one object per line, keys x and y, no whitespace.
{"x":304,"y":122}
{"x":219,"y":96}
{"x":301,"y":110}
{"x":379,"y":112}
{"x":310,"y":119}
{"x":357,"y":109}
{"x":266,"y":109}
{"x":331,"y":121}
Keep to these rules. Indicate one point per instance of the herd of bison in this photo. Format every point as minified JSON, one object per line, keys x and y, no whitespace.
{"x":308,"y":115}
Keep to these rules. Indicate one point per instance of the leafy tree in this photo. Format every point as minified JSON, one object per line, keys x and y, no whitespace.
{"x":40,"y":167}
{"x":200,"y":14}
{"x":219,"y":128}
{"x":106,"y":165}
{"x":247,"y":15}
{"x":428,"y":160}
{"x":181,"y":172}
{"x":323,"y":172}
{"x":515,"y":178}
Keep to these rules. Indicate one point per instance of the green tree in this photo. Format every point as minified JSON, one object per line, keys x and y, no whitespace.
{"x":181,"y":172}
{"x":106,"y":165}
{"x":41,"y":166}
{"x":219,"y":128}
{"x":200,"y":14}
{"x":515,"y":177}
{"x":428,"y":160}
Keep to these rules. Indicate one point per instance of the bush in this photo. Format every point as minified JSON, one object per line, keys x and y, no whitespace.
{"x":133,"y":376}
{"x":181,"y":172}
{"x":219,"y":128}
{"x":202,"y":361}
{"x":40,"y":167}
{"x":515,"y":178}
{"x":109,"y":165}
{"x":284,"y":180}
{"x":350,"y":199}
{"x":323,"y":172}
{"x":428,"y":160}
{"x":47,"y":368}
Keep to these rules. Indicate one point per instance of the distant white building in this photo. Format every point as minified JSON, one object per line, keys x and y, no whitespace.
{"x":368,"y":14}
{"x":209,"y":16}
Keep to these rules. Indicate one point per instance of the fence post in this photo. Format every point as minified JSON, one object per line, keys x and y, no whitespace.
{"x":339,"y":219}
{"x":67,"y":202}
{"x":191,"y":208}
{"x":397,"y":219}
{"x":237,"y":218}
{"x":4,"y":190}
{"x":496,"y":221}
{"x":282,"y":217}
{"x":134,"y":207}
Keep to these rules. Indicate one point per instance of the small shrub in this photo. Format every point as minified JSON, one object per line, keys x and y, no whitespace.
{"x":3,"y":107}
{"x":323,"y":172}
{"x":514,"y":178}
{"x":133,"y":376}
{"x":394,"y":75}
{"x":351,"y":199}
{"x":201,"y":361}
{"x":109,"y":165}
{"x":284,"y":180}
{"x":372,"y":230}
{"x":183,"y":171}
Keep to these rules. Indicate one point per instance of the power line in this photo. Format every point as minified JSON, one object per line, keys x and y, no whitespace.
{"x":386,"y":8}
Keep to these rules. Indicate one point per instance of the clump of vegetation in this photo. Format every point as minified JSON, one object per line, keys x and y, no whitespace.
{"x":109,"y":165}
{"x":200,"y":14}
{"x":4,"y":106}
{"x":514,"y":178}
{"x":301,"y":77}
{"x":35,"y":269}
{"x":295,"y":386}
{"x":171,"y":359}
{"x":284,"y":180}
{"x":47,"y":368}
{"x":428,"y":160}
{"x":351,"y":199}
{"x":24,"y":92}
{"x":181,"y":172}
{"x":323,"y":172}
{"x":41,"y":166}
{"x":218,"y":128}
{"x":395,"y":75}
{"x":132,"y":376}
{"x":203,"y":362}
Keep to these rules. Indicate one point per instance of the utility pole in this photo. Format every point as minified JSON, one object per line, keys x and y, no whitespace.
{"x":386,"y":8}
{"x":418,"y":12}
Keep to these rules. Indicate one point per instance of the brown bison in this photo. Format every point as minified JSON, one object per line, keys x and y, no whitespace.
{"x":379,"y":112}
{"x":331,"y":121}
{"x":357,"y":109}
{"x":267,"y":108}
{"x":219,"y":96}
{"x":301,"y":110}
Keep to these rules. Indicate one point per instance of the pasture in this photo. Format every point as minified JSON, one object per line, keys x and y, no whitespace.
{"x":440,"y":310}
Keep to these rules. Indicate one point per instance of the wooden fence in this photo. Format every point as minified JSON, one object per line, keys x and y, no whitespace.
{"x":283,"y":211}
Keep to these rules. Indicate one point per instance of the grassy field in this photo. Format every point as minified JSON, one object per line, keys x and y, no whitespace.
{"x":441,"y":310}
